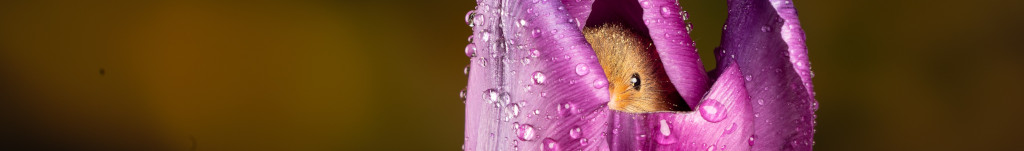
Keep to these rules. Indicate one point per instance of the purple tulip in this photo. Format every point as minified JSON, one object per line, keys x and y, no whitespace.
{"x":536,"y":84}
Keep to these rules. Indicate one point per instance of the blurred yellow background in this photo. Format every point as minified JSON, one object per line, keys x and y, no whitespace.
{"x":384,"y":75}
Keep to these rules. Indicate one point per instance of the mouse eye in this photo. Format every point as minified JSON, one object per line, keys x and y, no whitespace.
{"x":634,"y":80}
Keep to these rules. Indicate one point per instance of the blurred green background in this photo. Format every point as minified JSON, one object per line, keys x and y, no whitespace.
{"x":384,"y":75}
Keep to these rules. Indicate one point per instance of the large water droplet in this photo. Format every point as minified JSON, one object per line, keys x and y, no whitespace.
{"x":667,"y":11}
{"x":470,"y":50}
{"x":598,"y":84}
{"x":511,"y":111}
{"x":538,"y":78}
{"x":665,"y":129}
{"x":490,"y":95}
{"x":575,"y":132}
{"x":712,"y":110}
{"x":469,"y":17}
{"x":666,"y":133}
{"x":549,"y":145}
{"x":581,"y":69}
{"x":526,"y":132}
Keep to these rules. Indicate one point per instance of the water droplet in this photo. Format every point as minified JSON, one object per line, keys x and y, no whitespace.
{"x":469,"y":17}
{"x":490,"y":95}
{"x":760,"y":101}
{"x":748,"y":77}
{"x":665,"y":130}
{"x":765,"y":28}
{"x":522,"y":22}
{"x":549,"y":145}
{"x":526,"y":132}
{"x":666,"y":133}
{"x":536,"y":33}
{"x":712,"y":110}
{"x":667,"y":11}
{"x":534,"y":53}
{"x":465,"y":70}
{"x":470,"y":50}
{"x":689,"y":28}
{"x":686,"y":15}
{"x":538,"y":78}
{"x":565,"y":109}
{"x":504,"y":98}
{"x":598,"y":84}
{"x":486,"y":36}
{"x":583,"y":142}
{"x":511,"y":111}
{"x":575,"y":132}
{"x":462,"y":95}
{"x":724,"y":27}
{"x":750,"y":141}
{"x":711,"y":148}
{"x":581,"y":69}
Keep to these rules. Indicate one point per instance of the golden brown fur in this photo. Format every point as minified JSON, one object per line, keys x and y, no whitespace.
{"x":622,"y":55}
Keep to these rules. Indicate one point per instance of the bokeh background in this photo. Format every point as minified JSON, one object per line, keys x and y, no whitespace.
{"x":384,"y":75}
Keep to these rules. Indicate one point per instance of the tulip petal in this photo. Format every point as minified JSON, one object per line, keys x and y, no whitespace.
{"x":579,"y":10}
{"x":784,"y":108}
{"x":678,"y":55}
{"x":724,"y":121}
{"x":793,"y":34}
{"x":534,"y":82}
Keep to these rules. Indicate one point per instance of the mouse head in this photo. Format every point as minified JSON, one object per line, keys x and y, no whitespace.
{"x":636,"y":80}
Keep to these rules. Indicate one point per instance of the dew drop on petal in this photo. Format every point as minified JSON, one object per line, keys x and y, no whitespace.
{"x":470,"y":50}
{"x":581,"y":69}
{"x":462,"y":95}
{"x":750,"y":141}
{"x":712,"y":110}
{"x":598,"y":84}
{"x":666,"y":11}
{"x":469,"y":17}
{"x":490,"y":95}
{"x":575,"y":132}
{"x":549,"y":145}
{"x":665,"y":130}
{"x":538,"y":78}
{"x":666,"y":133}
{"x":526,"y":132}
